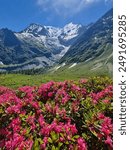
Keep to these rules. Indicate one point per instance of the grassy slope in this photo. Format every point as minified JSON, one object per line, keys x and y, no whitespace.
{"x":81,"y":71}
{"x":101,"y":66}
{"x":17,"y":80}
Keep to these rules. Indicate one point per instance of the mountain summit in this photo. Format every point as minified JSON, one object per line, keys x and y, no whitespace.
{"x":35,"y":29}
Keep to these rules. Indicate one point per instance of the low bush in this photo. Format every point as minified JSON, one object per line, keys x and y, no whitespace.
{"x":57,"y":116}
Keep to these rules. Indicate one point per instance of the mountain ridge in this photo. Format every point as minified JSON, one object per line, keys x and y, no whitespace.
{"x":39,"y":46}
{"x":36,"y":41}
{"x":100,"y":33}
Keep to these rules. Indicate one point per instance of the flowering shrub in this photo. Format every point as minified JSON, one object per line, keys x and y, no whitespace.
{"x":58,"y":116}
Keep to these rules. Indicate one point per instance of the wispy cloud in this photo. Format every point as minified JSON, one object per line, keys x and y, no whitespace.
{"x":66,"y":7}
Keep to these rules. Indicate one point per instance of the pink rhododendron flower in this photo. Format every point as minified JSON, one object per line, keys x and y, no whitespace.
{"x":101,"y":116}
{"x":106,"y":101}
{"x":109,"y":141}
{"x":81,"y":144}
{"x":65,"y":99}
{"x":83,"y":81}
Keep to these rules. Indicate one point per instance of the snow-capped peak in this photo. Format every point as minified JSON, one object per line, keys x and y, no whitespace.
{"x":36,"y":29}
{"x":67,"y":32}
{"x":58,"y":40}
{"x":70,"y":31}
{"x":33,"y":28}
{"x":53,"y":31}
{"x":71,"y":26}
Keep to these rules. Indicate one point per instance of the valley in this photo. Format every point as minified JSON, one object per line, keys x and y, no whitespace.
{"x":59,"y":50}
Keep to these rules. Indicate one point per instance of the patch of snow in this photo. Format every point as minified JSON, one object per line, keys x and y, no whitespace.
{"x":104,"y":22}
{"x":73,"y":65}
{"x":71,"y":26}
{"x":1,"y":63}
{"x":95,"y":38}
{"x":33,"y":27}
{"x":89,"y":59}
{"x":53,"y":31}
{"x":64,"y":51}
{"x":98,"y":65}
{"x":71,"y":36}
{"x":63,"y":64}
{"x":58,"y":67}
{"x":70,"y":31}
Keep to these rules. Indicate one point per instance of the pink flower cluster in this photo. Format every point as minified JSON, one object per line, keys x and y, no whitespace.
{"x":51,"y":116}
{"x":107,"y":92}
{"x":106,"y":129}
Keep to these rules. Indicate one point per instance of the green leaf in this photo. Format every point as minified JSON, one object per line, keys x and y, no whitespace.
{"x":36,"y":145}
{"x":62,"y":135}
{"x":76,"y":136}
{"x":67,"y":142}
{"x":72,"y":139}
{"x":40,"y":140}
{"x":54,"y":136}
{"x":23,"y":95}
{"x":50,"y":140}
{"x":27,"y":131}
{"x":60,"y":144}
{"x":53,"y":148}
{"x":84,"y":135}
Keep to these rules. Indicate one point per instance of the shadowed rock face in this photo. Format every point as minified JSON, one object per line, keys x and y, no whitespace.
{"x":7,"y":38}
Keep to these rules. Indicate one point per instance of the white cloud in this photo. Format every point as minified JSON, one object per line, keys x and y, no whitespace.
{"x":66,"y":7}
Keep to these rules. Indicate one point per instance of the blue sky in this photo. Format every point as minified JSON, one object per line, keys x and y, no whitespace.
{"x":18,"y":14}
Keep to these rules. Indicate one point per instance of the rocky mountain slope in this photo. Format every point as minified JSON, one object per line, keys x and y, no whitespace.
{"x":92,"y":53}
{"x":72,"y":48}
{"x":94,"y":42}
